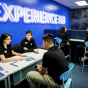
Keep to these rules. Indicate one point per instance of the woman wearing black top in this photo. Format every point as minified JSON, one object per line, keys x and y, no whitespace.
{"x":65,"y":40}
{"x":5,"y":49}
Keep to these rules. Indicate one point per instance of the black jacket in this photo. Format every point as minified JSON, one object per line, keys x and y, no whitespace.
{"x":31,"y":45}
{"x":64,"y":38}
{"x":86,"y":37}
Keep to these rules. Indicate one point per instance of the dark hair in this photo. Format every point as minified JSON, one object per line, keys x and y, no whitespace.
{"x":28,"y":31}
{"x":48,"y":37}
{"x":62,"y":30}
{"x":4,"y":36}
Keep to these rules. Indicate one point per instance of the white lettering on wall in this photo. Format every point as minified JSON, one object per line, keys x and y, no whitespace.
{"x":0,"y":13}
{"x":14,"y":13}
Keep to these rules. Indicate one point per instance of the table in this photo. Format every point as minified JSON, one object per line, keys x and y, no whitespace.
{"x":77,"y":40}
{"x":5,"y":80}
{"x":19,"y":73}
{"x":6,"y":76}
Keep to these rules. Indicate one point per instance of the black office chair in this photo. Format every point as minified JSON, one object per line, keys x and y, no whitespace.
{"x":17,"y":48}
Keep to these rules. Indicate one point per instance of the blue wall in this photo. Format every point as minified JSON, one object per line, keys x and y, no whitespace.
{"x":17,"y":30}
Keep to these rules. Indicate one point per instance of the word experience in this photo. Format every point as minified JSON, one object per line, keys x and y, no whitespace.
{"x":14,"y":13}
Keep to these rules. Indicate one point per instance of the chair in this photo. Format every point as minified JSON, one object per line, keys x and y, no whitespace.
{"x":58,"y":40}
{"x":17,"y":48}
{"x":61,"y":45}
{"x":66,"y":76}
{"x":40,"y":47}
{"x":86,"y":51}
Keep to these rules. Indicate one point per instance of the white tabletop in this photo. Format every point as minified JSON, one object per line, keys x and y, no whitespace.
{"x":77,"y":40}
{"x":14,"y":69}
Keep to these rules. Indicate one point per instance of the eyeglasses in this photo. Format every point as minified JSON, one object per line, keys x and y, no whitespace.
{"x":28,"y":35}
{"x":8,"y":39}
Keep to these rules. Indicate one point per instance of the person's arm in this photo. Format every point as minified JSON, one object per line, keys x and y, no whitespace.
{"x":86,"y":39}
{"x":23,"y":46}
{"x":66,"y":36}
{"x":45,"y":64}
{"x":34,"y":44}
{"x":42,"y":70}
{"x":34,"y":47}
{"x":18,"y":54}
{"x":29,"y":50}
{"x":3,"y":59}
{"x":24,"y":49}
{"x":62,"y":37}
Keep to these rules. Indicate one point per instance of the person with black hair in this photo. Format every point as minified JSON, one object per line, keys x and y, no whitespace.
{"x":6,"y":51}
{"x":53,"y":65}
{"x":28,"y":44}
{"x":65,"y":40}
{"x":81,"y":48}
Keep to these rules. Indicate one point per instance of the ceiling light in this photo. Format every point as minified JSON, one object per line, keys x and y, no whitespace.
{"x":81,"y":3}
{"x":51,"y":7}
{"x":29,"y":1}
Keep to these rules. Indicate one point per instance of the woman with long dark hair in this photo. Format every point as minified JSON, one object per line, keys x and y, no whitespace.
{"x":65,"y":40}
{"x":5,"y":49}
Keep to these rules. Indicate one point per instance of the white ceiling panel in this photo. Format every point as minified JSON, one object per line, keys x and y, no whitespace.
{"x":70,"y":3}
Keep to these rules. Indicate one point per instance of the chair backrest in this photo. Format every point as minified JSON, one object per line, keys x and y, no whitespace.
{"x":66,"y":74}
{"x":17,"y":48}
{"x":86,"y":43}
{"x":58,"y":40}
{"x":86,"y":48}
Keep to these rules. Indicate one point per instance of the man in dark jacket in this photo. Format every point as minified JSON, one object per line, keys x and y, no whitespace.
{"x":53,"y":65}
{"x":28,"y":44}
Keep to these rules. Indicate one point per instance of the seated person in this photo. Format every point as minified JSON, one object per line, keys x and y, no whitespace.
{"x":53,"y":65}
{"x":5,"y":49}
{"x":81,"y":48}
{"x":65,"y":40}
{"x":28,"y":44}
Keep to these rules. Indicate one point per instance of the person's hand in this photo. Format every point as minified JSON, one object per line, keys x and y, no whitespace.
{"x":35,"y":50}
{"x":38,"y":67}
{"x":25,"y":48}
{"x":22,"y":55}
{"x":19,"y":59}
{"x":67,"y":42}
{"x":84,"y":38}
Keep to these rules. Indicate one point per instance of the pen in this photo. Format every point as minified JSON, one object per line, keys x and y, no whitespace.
{"x":15,"y":65}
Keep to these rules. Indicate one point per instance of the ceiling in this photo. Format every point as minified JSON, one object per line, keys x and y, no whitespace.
{"x":71,"y":4}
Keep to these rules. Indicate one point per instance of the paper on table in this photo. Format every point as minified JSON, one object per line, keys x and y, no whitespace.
{"x":20,"y":63}
{"x":17,"y":63}
{"x":3,"y":72}
{"x":29,"y":58}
